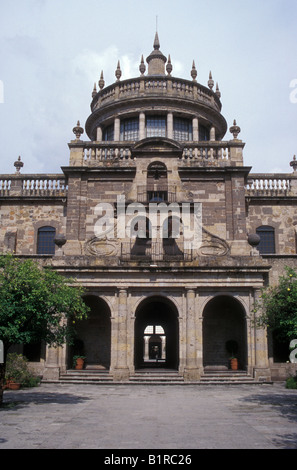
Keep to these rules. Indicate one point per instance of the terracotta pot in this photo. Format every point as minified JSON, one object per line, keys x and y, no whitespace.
{"x":14,"y":386}
{"x":79,"y":364}
{"x":234,"y":363}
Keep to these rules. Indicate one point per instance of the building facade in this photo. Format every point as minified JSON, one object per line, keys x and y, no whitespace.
{"x":171,"y":234}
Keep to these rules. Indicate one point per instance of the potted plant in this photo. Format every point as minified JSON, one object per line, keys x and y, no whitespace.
{"x":232,"y":348}
{"x":16,"y":371}
{"x":78,"y":362}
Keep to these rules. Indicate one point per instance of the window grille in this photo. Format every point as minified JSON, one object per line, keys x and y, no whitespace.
{"x":267,"y":239}
{"x":45,"y":241}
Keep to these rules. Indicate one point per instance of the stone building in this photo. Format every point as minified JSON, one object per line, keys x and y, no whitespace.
{"x":172,"y":289}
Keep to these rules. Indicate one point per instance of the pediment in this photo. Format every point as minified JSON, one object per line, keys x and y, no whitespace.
{"x":160,"y":144}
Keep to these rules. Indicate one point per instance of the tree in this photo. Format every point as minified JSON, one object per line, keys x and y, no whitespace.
{"x":278,"y":307}
{"x":36,"y":304}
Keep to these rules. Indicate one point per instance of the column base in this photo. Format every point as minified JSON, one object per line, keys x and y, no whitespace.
{"x":262,"y":374}
{"x":121,"y":375}
{"x":51,"y":373}
{"x":192,"y":374}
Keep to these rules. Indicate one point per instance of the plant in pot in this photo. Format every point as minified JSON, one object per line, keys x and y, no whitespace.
{"x":78,"y":362}
{"x":232,"y":349}
{"x":16,"y":372}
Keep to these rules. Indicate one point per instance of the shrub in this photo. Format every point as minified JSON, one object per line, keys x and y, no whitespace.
{"x":291,"y":382}
{"x":17,"y":370}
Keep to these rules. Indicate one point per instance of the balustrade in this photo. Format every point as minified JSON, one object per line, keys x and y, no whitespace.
{"x":29,"y":185}
{"x":268,"y":185}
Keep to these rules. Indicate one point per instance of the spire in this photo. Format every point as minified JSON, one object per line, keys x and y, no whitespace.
{"x":156,"y":42}
{"x":169,"y":66}
{"x":101,"y":82}
{"x":142,"y":67}
{"x":194,"y":72}
{"x":156,"y":60}
{"x":210,"y":81}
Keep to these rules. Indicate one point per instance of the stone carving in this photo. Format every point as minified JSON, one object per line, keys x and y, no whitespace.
{"x":212,"y":245}
{"x":102,"y":247}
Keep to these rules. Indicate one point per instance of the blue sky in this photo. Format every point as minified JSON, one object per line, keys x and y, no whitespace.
{"x":52,"y":52}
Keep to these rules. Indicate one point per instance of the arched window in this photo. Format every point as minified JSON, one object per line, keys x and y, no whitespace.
{"x":45,"y":241}
{"x":267,"y":239}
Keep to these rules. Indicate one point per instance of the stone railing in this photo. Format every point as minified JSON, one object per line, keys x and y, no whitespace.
{"x":33,"y":185}
{"x":269,"y":185}
{"x":152,"y":85}
{"x":204,"y":153}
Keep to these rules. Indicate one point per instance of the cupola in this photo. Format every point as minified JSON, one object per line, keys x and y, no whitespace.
{"x":156,"y":60}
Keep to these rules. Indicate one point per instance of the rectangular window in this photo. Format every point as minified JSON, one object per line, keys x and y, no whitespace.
{"x":156,"y":126}
{"x":108,"y":133}
{"x":182,"y":129}
{"x":267,"y":240}
{"x":129,"y":129}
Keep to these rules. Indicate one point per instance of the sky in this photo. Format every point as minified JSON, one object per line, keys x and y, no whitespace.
{"x":52,"y":52}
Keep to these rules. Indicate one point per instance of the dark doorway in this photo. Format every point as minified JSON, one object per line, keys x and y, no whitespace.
{"x":224,"y":324}
{"x":94,"y":334}
{"x":156,"y":334}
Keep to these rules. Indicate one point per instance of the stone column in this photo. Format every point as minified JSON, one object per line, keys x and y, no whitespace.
{"x":117,"y":125}
{"x":212,"y":136}
{"x":191,"y":369}
{"x":261,"y":370}
{"x":195,"y":126}
{"x":170,"y":126}
{"x":141,"y":126}
{"x":146,"y":348}
{"x":52,"y":369}
{"x":99,"y":134}
{"x":121,"y":370}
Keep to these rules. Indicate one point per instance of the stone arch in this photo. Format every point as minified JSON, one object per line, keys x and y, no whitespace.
{"x":224,"y":321}
{"x":157,"y":310}
{"x":94,"y":333}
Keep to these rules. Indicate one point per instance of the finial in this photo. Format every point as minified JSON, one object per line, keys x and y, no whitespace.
{"x":218,"y":93}
{"x":78,"y":131}
{"x":156,"y":42}
{"x":194,"y":72}
{"x":118,"y":72}
{"x":142,"y":67}
{"x":18,"y":164}
{"x":293,"y":163}
{"x":94,"y":93}
{"x":210,"y":81}
{"x":235,"y":129}
{"x":169,"y":65}
{"x":101,"y":82}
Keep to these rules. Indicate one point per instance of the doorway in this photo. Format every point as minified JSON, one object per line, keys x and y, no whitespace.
{"x":156,"y":334}
{"x":224,"y":325}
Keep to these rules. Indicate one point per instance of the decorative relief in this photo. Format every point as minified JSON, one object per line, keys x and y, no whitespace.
{"x":102,"y":247}
{"x":212,"y":245}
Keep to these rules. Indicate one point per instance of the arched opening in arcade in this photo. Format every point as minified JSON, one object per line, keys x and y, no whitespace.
{"x":156,"y":334}
{"x":224,"y":333}
{"x":94,"y":335}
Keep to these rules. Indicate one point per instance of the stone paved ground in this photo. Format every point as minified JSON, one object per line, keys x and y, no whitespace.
{"x":149,"y":417}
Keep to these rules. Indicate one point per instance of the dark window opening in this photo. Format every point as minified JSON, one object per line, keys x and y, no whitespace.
{"x":45,"y":241}
{"x":108,"y":133}
{"x":156,"y":126}
{"x":203,"y":133}
{"x":267,"y":240}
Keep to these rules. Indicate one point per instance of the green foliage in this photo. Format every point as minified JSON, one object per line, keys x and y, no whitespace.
{"x":17,"y":369}
{"x":37,"y":303}
{"x":291,"y":382}
{"x":278,"y":307}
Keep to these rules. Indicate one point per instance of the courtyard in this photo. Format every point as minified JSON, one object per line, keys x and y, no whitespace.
{"x":175,"y":417}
